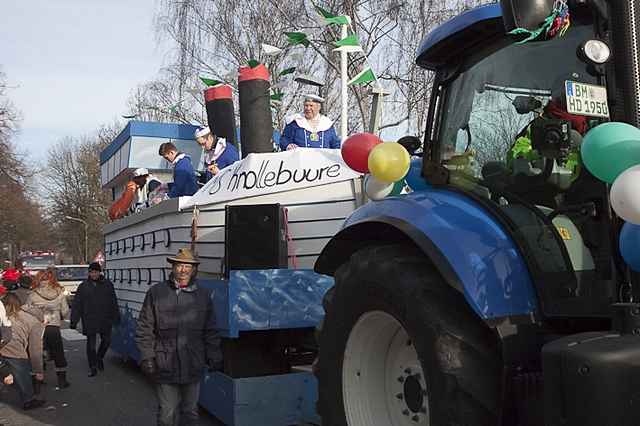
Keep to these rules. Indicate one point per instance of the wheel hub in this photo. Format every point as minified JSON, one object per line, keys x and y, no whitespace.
{"x":413,"y":393}
{"x":383,"y":382}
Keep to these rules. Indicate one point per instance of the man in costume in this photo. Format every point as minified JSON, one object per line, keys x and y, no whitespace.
{"x":218,"y":154}
{"x":310,"y":129}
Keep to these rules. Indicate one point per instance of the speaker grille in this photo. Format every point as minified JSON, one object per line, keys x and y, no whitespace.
{"x":255,"y":237}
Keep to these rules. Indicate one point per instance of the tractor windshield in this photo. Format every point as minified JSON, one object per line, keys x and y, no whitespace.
{"x":496,"y":95}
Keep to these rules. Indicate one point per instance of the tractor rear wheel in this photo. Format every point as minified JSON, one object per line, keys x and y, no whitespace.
{"x":398,"y":346}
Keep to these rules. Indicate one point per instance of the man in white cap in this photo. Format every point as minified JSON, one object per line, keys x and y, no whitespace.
{"x":218,"y":154}
{"x":136,"y":195}
{"x":310,"y":129}
{"x":145,"y":183}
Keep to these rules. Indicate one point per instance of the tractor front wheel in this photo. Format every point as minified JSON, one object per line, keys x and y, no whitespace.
{"x":398,"y":346}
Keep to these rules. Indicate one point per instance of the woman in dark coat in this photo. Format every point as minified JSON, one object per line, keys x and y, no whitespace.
{"x":96,"y":306}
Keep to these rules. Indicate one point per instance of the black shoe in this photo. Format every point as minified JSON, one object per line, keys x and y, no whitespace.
{"x":93,"y":372}
{"x":100,"y":365}
{"x":62,"y":380}
{"x":33,"y":403}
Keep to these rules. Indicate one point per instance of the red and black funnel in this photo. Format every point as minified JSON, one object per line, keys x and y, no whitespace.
{"x":256,"y":127}
{"x":220,"y":113}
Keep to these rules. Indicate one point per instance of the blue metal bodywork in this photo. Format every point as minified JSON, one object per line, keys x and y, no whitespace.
{"x":484,"y":258}
{"x":258,"y":300}
{"x":458,"y":24}
{"x":459,"y":35}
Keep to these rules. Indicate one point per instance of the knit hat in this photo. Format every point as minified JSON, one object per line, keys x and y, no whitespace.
{"x":140,"y":172}
{"x":201,"y":131}
{"x":95,"y":266}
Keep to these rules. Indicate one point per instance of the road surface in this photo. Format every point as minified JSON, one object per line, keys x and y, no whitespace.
{"x":119,"y":396}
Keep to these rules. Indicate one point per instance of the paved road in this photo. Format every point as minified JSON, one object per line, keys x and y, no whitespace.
{"x":119,"y":396}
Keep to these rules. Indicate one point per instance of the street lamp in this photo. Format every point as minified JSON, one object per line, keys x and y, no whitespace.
{"x":86,"y":239}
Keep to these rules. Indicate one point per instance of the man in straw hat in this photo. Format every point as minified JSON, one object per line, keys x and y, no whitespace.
{"x":177,"y":340}
{"x":311,"y":129}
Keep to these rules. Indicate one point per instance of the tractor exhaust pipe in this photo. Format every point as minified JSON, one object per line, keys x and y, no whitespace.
{"x":625,"y":22}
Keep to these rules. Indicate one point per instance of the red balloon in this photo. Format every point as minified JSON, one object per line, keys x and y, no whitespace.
{"x":356,"y":149}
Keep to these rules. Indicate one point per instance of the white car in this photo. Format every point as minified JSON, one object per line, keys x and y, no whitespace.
{"x":70,"y":277}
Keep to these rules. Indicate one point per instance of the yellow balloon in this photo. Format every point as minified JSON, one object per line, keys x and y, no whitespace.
{"x":389,"y":162}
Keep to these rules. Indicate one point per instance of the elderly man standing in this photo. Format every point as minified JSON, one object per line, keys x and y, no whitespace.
{"x":310,"y":129}
{"x":177,"y":340}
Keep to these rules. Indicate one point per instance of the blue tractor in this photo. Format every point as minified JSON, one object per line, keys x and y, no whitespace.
{"x":497,"y":295}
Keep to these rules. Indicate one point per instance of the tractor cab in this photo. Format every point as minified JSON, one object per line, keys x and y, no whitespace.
{"x":508,"y":119}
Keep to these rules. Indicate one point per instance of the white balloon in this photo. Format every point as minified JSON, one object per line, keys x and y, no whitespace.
{"x":625,"y":195}
{"x":375,"y":189}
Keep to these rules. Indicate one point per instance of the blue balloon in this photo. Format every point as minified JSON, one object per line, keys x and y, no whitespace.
{"x":630,"y":245}
{"x":413,"y":178}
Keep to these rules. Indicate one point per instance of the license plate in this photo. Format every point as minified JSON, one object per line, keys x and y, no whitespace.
{"x":586,"y":99}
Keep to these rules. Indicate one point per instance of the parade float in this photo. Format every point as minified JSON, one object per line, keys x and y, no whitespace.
{"x":258,"y":228}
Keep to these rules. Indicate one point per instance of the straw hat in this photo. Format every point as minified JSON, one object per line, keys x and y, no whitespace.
{"x":184,"y":256}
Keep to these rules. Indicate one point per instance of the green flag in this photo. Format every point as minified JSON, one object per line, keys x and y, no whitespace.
{"x":277,"y":97}
{"x":253,"y":63}
{"x":297,"y":38}
{"x":287,"y":71}
{"x":351,"y":40}
{"x":210,"y":82}
{"x":329,"y":19}
{"x":364,"y":76}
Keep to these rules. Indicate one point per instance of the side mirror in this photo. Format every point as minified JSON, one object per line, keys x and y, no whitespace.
{"x":411,"y":143}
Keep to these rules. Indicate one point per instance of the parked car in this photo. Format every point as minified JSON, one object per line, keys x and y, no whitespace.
{"x":70,"y":277}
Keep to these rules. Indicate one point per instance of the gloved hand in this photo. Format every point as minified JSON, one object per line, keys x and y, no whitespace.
{"x":213,"y":365}
{"x":148,"y":366}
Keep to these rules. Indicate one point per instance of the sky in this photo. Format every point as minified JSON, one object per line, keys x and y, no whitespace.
{"x":72,"y":64}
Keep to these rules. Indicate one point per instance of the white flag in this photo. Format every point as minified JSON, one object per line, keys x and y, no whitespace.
{"x":270,"y":50}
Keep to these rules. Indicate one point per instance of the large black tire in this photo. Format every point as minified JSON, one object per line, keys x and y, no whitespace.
{"x":459,"y":354}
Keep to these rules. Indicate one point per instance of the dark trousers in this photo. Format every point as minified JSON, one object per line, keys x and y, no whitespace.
{"x":105,"y":341}
{"x":21,"y":370}
{"x":178,"y":404}
{"x":52,"y":342}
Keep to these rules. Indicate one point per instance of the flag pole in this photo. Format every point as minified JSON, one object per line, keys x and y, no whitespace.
{"x":344,"y":78}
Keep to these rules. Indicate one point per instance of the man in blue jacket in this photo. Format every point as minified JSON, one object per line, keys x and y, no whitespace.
{"x":184,"y":177}
{"x":218,"y":154}
{"x":310,"y":129}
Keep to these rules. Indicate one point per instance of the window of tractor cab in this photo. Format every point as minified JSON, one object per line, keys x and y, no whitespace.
{"x":491,"y":104}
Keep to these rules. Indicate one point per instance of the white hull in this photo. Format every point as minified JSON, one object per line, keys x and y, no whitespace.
{"x":315,"y":214}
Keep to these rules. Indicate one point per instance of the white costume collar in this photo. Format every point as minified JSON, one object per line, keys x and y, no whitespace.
{"x":215,"y":153}
{"x":324,"y":123}
{"x":178,"y":158}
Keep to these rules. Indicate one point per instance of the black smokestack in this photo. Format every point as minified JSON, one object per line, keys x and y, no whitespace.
{"x":255,"y":111}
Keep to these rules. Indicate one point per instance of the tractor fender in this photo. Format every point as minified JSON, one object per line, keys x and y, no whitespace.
{"x":468,"y":246}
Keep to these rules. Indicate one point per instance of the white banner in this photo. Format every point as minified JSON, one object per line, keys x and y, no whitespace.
{"x":260,"y":174}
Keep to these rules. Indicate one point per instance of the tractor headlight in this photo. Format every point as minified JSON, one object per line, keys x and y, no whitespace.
{"x":596,"y":51}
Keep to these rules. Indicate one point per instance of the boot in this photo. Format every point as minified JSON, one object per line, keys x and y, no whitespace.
{"x":92,"y":372}
{"x":62,"y":380}
{"x":33,"y":403}
{"x":100,"y":364}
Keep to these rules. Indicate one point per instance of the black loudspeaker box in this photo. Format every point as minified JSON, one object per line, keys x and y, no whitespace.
{"x":255,"y":237}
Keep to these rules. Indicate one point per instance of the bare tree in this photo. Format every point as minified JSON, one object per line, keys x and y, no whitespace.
{"x":73,"y":188}
{"x":21,"y":221}
{"x":215,"y":37}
